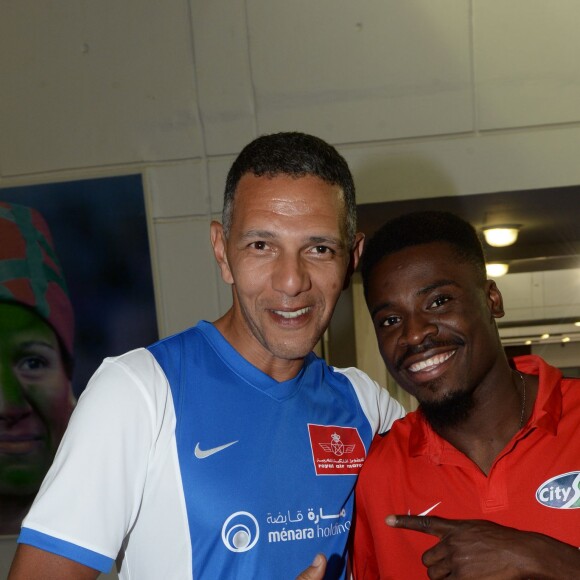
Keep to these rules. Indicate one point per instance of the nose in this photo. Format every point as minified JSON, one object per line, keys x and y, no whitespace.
{"x":290,"y":275}
{"x":416,"y":329}
{"x":14,"y":405}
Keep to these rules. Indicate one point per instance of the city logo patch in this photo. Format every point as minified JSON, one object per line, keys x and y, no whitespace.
{"x":336,"y":450}
{"x":561,"y":492}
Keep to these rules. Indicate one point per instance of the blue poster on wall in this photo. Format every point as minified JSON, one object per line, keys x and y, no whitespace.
{"x":99,"y":229}
{"x":75,"y":287}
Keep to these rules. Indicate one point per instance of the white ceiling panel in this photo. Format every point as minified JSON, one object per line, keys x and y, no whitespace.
{"x":224,"y":76}
{"x":95,"y":83}
{"x":361,"y":71}
{"x":526,"y":62}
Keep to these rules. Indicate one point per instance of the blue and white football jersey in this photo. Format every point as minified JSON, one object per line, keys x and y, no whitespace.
{"x":185,"y":461}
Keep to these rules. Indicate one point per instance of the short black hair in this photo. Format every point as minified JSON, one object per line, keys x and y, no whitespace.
{"x":295,"y":154}
{"x":423,"y":227}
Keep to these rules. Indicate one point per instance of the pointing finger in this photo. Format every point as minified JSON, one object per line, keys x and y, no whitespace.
{"x":427,"y":524}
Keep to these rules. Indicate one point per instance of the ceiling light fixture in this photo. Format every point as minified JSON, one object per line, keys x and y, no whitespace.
{"x":544,"y":336}
{"x":501,"y":236}
{"x":566,"y":339}
{"x":496,"y":269}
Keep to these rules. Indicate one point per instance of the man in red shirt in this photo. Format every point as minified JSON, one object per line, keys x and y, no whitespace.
{"x":485,"y":476}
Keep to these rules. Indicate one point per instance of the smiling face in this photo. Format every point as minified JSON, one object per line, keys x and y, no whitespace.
{"x":35,"y":399}
{"x":434,"y":321}
{"x":287,"y":259}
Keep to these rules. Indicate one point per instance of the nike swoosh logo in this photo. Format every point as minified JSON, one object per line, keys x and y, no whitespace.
{"x":429,"y":510}
{"x":203,"y":453}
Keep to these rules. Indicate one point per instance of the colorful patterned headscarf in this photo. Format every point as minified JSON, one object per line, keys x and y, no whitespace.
{"x":30,"y":273}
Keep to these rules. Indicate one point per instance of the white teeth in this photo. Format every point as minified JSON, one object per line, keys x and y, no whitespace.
{"x":431,"y":362}
{"x":295,"y":314}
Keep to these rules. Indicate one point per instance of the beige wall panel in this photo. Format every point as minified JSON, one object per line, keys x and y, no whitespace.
{"x":95,"y":83}
{"x":368,"y":356}
{"x":519,"y":301}
{"x":187,"y":274}
{"x":222,"y":65}
{"x":554,"y":294}
{"x":560,"y":355}
{"x":527,"y":62}
{"x":517,"y":290}
{"x":361,"y":71}
{"x":465,"y":165}
{"x":178,"y":190}
{"x":7,"y":550}
{"x":562,"y":287}
{"x":519,"y":313}
{"x":217,"y":169}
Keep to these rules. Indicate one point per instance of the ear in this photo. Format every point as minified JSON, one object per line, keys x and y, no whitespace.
{"x":219,"y":245}
{"x":494,"y":299}
{"x":355,"y":254}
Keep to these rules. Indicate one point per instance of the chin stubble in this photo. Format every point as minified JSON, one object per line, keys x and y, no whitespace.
{"x":450,"y":411}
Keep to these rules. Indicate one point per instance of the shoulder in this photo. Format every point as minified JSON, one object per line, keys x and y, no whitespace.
{"x":189,"y":336}
{"x":571,"y":384}
{"x":396,"y":440}
{"x":125,"y":383}
{"x":358,"y":379}
{"x":377,"y":404}
{"x":386,"y":461}
{"x":138,"y":367}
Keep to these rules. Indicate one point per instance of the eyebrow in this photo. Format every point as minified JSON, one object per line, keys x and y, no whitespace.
{"x":258,"y":234}
{"x":268,"y":235}
{"x":435,"y":285}
{"x":420,"y":292}
{"x":35,"y":343}
{"x":327,"y":240}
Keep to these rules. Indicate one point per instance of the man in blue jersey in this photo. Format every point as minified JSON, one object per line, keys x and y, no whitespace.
{"x":229,"y":450}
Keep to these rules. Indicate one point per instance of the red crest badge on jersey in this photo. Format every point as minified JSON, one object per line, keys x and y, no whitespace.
{"x":336,"y":450}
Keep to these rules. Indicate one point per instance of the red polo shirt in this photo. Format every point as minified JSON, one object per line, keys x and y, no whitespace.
{"x":534,"y":483}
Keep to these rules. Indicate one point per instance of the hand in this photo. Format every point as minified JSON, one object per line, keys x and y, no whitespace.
{"x":481,"y":549}
{"x":316,"y":570}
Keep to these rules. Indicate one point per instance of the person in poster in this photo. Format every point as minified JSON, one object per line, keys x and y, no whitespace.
{"x":36,"y":359}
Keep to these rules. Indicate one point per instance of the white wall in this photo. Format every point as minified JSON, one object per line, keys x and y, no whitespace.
{"x":424,"y":98}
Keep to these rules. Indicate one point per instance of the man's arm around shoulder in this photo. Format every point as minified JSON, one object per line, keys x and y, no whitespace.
{"x":31,"y":563}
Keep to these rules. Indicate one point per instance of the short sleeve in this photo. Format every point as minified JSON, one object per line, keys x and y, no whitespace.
{"x":91,"y":495}
{"x":380,"y":408}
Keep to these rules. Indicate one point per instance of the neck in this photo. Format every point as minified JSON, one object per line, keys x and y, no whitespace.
{"x":500,"y":409}
{"x":278,"y":368}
